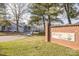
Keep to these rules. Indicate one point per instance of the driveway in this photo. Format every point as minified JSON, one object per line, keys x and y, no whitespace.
{"x":10,"y":38}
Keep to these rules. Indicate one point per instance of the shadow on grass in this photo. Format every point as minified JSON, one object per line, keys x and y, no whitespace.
{"x":40,"y":34}
{"x":3,"y":55}
{"x":10,"y":33}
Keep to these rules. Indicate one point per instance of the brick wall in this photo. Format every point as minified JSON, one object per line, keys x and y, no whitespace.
{"x":65,"y":29}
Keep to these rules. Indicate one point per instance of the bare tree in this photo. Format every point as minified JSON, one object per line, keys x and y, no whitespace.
{"x":17,"y":11}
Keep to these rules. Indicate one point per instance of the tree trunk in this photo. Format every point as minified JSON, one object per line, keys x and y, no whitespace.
{"x":67,"y":12}
{"x":17,"y":26}
{"x":48,"y":24}
{"x":44,"y":23}
{"x":48,"y":28}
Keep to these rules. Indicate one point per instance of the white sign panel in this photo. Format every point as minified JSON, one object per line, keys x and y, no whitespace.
{"x":64,"y":36}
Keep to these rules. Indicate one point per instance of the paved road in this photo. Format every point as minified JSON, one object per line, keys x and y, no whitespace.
{"x":10,"y":38}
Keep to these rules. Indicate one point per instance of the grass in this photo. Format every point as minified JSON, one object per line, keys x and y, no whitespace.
{"x":34,"y":46}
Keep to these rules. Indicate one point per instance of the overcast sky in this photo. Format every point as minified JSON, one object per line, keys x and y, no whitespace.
{"x":26,"y":17}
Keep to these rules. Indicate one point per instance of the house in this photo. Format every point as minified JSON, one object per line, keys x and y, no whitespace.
{"x":13,"y":27}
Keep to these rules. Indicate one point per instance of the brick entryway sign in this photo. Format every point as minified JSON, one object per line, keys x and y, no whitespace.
{"x":66,"y":35}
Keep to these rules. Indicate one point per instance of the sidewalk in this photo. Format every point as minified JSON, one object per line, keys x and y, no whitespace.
{"x":10,"y":38}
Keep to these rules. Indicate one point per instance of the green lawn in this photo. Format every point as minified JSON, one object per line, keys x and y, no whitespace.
{"x":34,"y":46}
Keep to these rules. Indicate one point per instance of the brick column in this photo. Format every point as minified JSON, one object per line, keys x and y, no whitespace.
{"x":47,"y":39}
